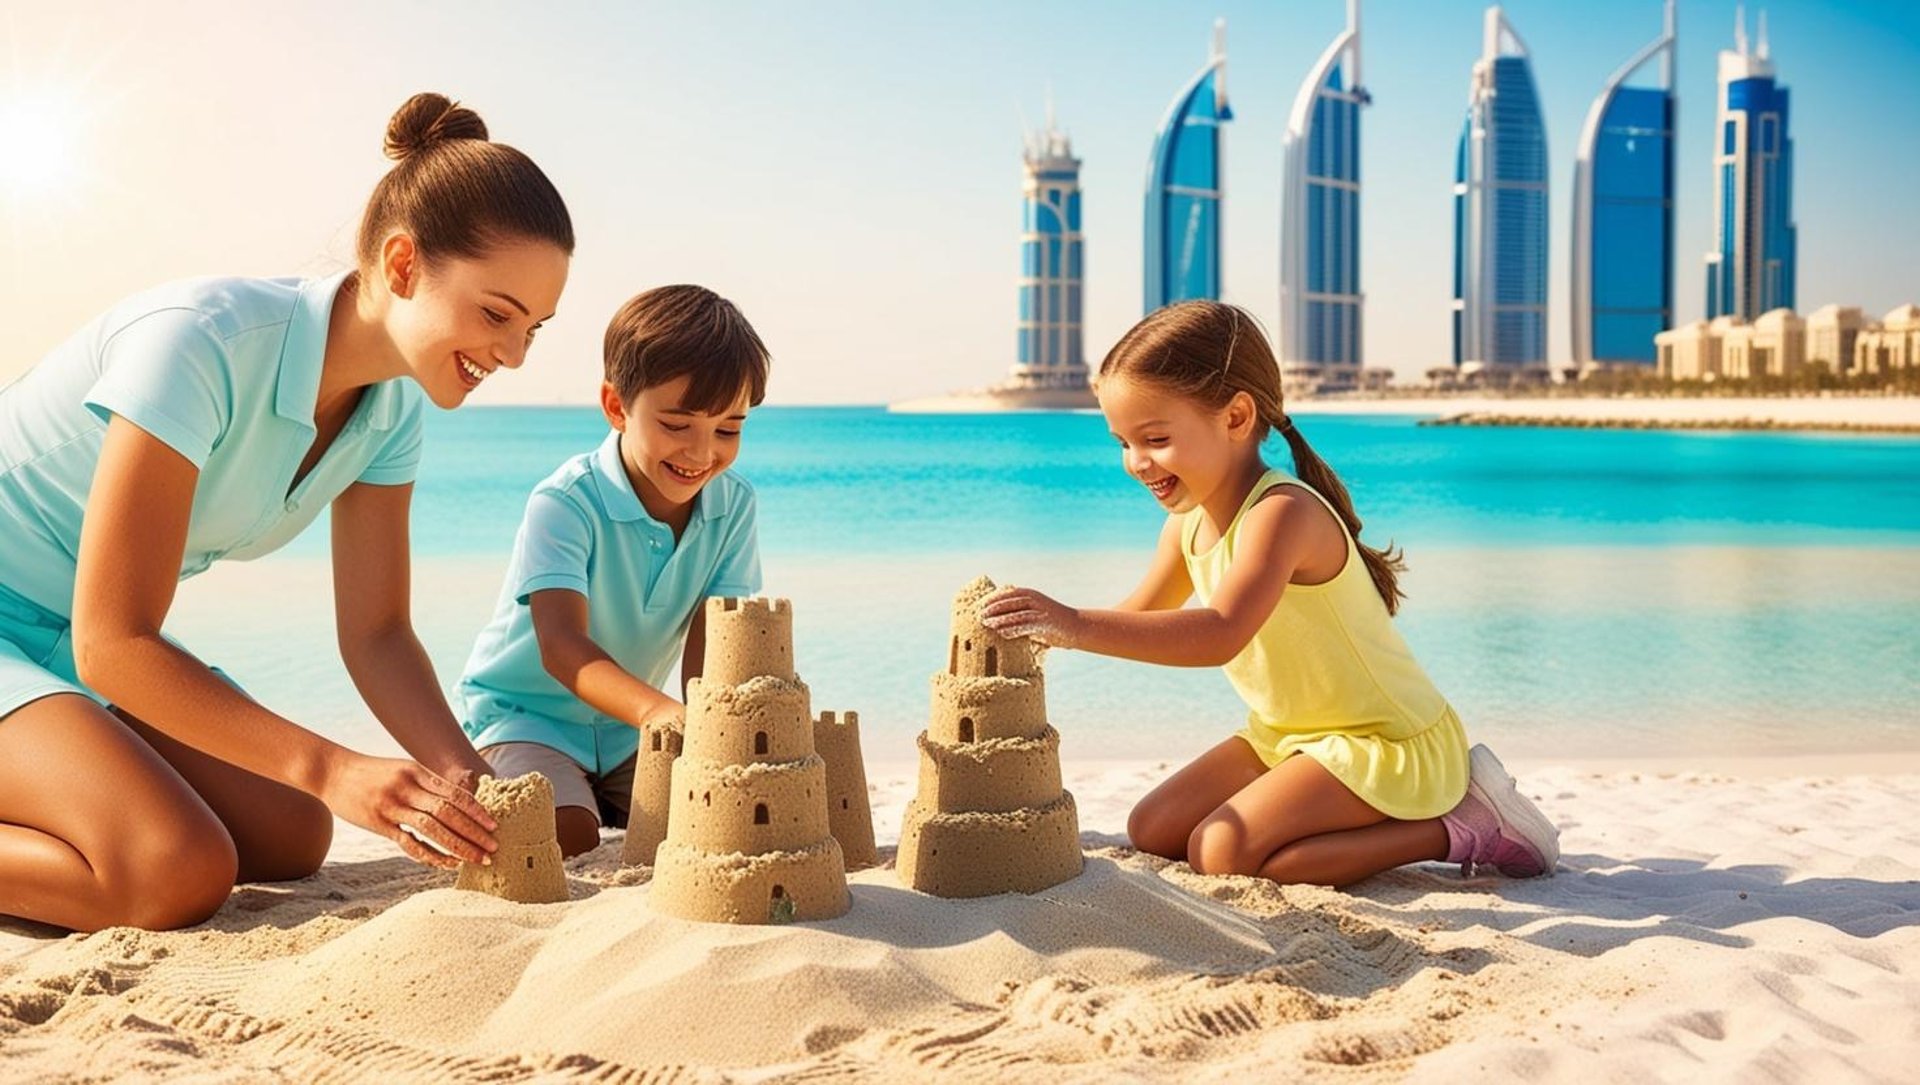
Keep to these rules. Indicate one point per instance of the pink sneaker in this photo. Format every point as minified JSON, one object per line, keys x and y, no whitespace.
{"x":1495,"y":826}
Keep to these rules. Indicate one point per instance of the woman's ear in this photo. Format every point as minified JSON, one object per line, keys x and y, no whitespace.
{"x":400,"y":265}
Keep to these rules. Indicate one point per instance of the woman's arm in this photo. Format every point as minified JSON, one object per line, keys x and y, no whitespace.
{"x":570,"y":654}
{"x":131,"y":544}
{"x":373,"y":623}
{"x":1279,"y":534}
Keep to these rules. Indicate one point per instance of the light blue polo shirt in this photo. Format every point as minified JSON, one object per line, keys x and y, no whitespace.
{"x":224,"y":371}
{"x":585,"y":531}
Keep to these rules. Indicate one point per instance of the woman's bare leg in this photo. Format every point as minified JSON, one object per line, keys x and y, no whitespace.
{"x":279,"y":832}
{"x":1299,"y":823}
{"x":97,"y":829}
{"x":1162,"y":821}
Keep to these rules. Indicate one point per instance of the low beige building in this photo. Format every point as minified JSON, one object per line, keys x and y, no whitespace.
{"x":1773,"y":346}
{"x":1691,"y":352}
{"x":1889,"y":344}
{"x":1831,"y":332}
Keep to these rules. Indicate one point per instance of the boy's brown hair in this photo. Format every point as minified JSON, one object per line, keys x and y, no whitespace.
{"x":686,"y":331}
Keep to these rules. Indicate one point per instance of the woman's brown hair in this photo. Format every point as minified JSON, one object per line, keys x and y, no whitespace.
{"x":1207,"y":351}
{"x":455,"y":192}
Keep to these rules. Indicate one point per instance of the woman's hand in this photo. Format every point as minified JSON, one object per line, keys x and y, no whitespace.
{"x":1023,"y":612}
{"x":389,"y":796}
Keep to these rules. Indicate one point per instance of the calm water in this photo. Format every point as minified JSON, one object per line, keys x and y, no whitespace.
{"x":1575,"y":592}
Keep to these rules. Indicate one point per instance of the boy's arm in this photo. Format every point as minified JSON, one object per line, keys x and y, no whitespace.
{"x":572,"y":657}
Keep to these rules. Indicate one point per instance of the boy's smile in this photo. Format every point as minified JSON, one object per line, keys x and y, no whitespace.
{"x":671,"y":451}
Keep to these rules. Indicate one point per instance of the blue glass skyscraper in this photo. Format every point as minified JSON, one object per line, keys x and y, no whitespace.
{"x":1320,"y":298}
{"x":1183,"y":188}
{"x":1623,"y":215}
{"x":1050,"y":265}
{"x":1500,"y":212}
{"x":1752,"y":269}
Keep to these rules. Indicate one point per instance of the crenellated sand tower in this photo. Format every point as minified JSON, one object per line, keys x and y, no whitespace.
{"x":836,"y":737}
{"x":990,"y":815}
{"x":748,"y":835}
{"x":527,"y":867}
{"x":652,"y":786}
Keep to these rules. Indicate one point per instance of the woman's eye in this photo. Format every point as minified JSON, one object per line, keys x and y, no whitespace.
{"x":494,"y":316}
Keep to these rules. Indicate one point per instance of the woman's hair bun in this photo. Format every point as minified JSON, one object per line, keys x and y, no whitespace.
{"x":429,"y":118}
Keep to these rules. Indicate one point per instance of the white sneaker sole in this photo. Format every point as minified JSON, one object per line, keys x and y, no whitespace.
{"x":1489,"y":779}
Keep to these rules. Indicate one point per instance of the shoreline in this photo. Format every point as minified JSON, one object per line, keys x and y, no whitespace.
{"x":1867,"y":414}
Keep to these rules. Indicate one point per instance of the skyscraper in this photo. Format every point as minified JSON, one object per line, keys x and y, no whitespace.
{"x":1184,"y":188}
{"x":1500,"y":213}
{"x":1752,"y":269}
{"x":1320,"y":298}
{"x":1050,"y":264}
{"x":1623,"y":215}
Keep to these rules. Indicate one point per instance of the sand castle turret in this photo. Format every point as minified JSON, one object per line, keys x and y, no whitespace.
{"x":527,"y":867}
{"x":749,"y":839}
{"x":836,"y":737}
{"x":660,"y":743}
{"x":990,"y":815}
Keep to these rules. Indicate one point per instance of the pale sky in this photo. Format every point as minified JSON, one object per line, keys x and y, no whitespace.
{"x":849,"y":173}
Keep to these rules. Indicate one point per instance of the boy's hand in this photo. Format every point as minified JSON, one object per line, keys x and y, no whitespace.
{"x":1023,"y":612}
{"x":666,"y":709}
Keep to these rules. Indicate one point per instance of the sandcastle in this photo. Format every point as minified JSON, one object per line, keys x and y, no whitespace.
{"x":990,"y":815}
{"x":749,"y":838}
{"x":660,"y":743}
{"x":527,"y":866}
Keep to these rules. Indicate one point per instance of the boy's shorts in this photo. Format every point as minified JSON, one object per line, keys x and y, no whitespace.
{"x":606,"y":797}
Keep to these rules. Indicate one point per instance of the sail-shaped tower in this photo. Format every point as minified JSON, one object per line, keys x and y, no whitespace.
{"x":1184,"y":188}
{"x":1752,"y":269}
{"x":1623,"y":214}
{"x":1320,"y":297}
{"x":1500,"y":213}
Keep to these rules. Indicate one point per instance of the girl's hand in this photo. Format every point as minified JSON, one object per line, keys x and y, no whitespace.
{"x":388,"y":796}
{"x":1023,"y":612}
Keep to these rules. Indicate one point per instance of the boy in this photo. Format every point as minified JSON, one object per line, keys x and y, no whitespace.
{"x":616,"y":554}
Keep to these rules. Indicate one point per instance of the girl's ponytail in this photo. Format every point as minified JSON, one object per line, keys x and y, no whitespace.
{"x":1384,"y":566}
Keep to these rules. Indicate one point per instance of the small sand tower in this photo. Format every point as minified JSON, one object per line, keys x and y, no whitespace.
{"x":990,"y":815}
{"x":836,"y":737}
{"x":652,"y":787}
{"x":748,"y":836}
{"x":527,"y":867}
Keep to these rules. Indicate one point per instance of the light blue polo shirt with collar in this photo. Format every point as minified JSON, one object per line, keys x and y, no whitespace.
{"x":226,"y":372}
{"x":585,"y":531}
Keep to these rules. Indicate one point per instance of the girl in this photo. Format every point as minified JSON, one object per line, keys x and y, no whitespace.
{"x":1296,"y":609}
{"x":216,"y":418}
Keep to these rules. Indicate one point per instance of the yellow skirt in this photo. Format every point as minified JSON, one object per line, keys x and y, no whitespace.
{"x":1421,"y":776}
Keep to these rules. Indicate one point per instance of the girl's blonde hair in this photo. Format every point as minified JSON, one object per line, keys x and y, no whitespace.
{"x":1206,"y":351}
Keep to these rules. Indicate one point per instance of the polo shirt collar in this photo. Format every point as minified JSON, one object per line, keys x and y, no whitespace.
{"x":616,"y":489}
{"x":305,"y":349}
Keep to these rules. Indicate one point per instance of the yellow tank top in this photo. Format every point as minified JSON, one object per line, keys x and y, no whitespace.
{"x":1328,"y":658}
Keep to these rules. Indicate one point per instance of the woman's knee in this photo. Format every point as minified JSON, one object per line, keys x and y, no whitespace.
{"x":302,"y":836}
{"x":170,"y":875}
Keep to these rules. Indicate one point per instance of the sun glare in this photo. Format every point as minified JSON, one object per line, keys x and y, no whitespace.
{"x":39,"y":142}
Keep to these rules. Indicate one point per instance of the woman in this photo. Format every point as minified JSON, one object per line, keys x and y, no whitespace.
{"x":216,"y":418}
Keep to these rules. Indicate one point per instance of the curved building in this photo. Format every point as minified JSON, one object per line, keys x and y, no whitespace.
{"x":1500,"y":213}
{"x":1752,"y":269}
{"x":1623,"y":215}
{"x":1184,"y":188}
{"x":1320,"y":298}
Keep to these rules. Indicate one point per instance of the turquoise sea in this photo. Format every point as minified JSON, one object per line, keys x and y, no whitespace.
{"x":1576,"y":593}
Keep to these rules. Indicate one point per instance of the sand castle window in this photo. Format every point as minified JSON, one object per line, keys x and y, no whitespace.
{"x":966,"y":728}
{"x":760,"y":813}
{"x":707,"y":798}
{"x":993,"y":662}
{"x":656,"y":741}
{"x":779,"y":891}
{"x":529,"y":862}
{"x":759,"y":742}
{"x":843,"y":804}
{"x":953,"y":657}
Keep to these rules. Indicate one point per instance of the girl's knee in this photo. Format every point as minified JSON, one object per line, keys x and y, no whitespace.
{"x":1153,"y":829}
{"x":578,"y":830}
{"x":1217,"y":846}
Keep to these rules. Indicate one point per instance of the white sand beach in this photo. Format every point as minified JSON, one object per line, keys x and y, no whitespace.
{"x":1757,"y":924}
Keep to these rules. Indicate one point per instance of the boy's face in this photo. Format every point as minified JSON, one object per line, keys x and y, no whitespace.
{"x":672,"y":451}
